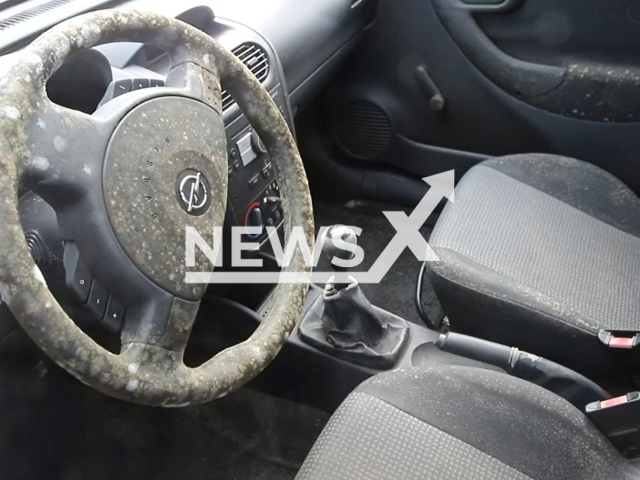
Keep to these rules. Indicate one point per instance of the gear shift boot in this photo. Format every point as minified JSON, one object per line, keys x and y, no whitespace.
{"x":343,"y":323}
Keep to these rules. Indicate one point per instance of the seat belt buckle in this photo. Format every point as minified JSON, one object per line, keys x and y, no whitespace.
{"x":623,"y":346}
{"x":620,"y":339}
{"x":619,"y":419}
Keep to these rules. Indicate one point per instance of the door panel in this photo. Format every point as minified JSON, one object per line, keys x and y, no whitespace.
{"x":552,"y":31}
{"x":555,"y":76}
{"x":589,"y":45}
{"x":523,"y":79}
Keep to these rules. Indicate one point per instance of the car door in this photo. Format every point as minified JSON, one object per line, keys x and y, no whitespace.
{"x":441,"y":84}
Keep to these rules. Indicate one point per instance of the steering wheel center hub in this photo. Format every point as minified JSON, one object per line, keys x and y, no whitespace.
{"x":165,"y":170}
{"x":193,"y":192}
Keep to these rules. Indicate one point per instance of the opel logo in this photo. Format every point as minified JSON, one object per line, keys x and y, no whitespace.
{"x":193,"y":192}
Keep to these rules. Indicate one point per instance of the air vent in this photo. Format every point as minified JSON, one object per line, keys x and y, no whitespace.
{"x":21,"y":17}
{"x":256,"y":60}
{"x":363,"y":130}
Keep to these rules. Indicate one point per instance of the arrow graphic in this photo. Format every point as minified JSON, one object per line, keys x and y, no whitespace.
{"x":408,"y":228}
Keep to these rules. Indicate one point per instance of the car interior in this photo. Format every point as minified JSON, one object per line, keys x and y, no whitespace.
{"x":463,"y":176}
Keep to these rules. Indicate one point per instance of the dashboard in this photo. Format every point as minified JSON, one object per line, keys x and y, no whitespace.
{"x":292,"y":47}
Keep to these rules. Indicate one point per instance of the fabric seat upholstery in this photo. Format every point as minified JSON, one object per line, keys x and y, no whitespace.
{"x":460,"y":423}
{"x":541,"y":252}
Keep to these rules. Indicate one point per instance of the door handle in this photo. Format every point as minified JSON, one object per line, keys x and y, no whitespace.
{"x":521,"y":79}
{"x":429,"y":88}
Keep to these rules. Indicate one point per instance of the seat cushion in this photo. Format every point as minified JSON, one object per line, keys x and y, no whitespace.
{"x":460,"y":423}
{"x":541,"y":252}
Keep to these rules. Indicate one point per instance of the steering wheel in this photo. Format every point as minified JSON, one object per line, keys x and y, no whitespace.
{"x":114,"y":179}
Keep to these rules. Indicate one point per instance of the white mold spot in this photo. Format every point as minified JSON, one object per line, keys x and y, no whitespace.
{"x":206,"y":58}
{"x":59,"y":143}
{"x":133,"y":367}
{"x":41,"y":163}
{"x":37,"y":274}
{"x":11,"y":112}
{"x":41,"y":124}
{"x":86,"y":169}
{"x":47,"y":305}
{"x":132,"y":385}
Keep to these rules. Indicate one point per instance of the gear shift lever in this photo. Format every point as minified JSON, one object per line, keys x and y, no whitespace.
{"x":335,"y":239}
{"x":343,"y":322}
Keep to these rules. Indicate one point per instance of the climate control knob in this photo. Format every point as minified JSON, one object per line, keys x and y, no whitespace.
{"x":273,"y":203}
{"x":254,"y":218}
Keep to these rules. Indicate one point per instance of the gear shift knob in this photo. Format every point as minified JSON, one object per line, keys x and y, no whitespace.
{"x":333,"y":246}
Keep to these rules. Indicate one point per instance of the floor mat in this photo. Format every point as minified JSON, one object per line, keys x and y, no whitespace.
{"x":397,"y":290}
{"x":53,"y":427}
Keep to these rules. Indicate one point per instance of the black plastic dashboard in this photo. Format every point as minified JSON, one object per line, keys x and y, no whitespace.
{"x":308,"y":37}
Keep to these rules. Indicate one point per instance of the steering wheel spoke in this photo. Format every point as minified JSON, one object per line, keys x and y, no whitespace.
{"x":66,"y":160}
{"x":197,"y":82}
{"x":162,"y":323}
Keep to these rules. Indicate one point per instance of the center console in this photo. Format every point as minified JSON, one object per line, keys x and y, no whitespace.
{"x":254,"y":193}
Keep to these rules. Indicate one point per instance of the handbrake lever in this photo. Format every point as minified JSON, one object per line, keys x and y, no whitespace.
{"x":570,"y":385}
